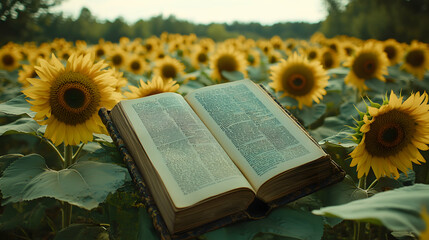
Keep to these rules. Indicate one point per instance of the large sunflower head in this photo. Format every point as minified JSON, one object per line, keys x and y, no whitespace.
{"x":9,"y":59}
{"x":299,"y":78}
{"x":157,"y":85}
{"x":394,"y":51}
{"x":370,"y":61}
{"x":169,"y":67}
{"x":416,"y":59}
{"x":67,"y":99}
{"x":228,"y":59}
{"x":389,"y":136}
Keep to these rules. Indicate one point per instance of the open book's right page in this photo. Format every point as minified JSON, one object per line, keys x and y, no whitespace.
{"x":256,"y":133}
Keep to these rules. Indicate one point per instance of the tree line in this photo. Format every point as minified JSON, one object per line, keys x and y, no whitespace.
{"x":404,"y":20}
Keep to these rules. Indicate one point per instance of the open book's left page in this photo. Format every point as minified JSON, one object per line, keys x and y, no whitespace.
{"x":189,"y":160}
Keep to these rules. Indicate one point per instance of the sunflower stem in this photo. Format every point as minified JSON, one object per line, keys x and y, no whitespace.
{"x":66,"y":208}
{"x":54,"y":148}
{"x":362,"y":182}
{"x":78,"y":151}
{"x":372,"y":184}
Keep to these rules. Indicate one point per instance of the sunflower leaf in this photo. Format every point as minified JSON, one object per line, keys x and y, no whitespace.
{"x":85,"y":184}
{"x":285,"y":222}
{"x":376,"y":85}
{"x":386,"y":208}
{"x":82,"y":231}
{"x":17,"y":106}
{"x":233,"y":75}
{"x":22,"y":125}
{"x":311,"y":114}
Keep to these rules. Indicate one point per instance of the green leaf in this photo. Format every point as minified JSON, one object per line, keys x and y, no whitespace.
{"x":311,"y":114}
{"x":398,"y":209}
{"x":376,"y":85}
{"x":340,"y":193}
{"x":29,"y":215}
{"x":83,"y":231}
{"x":6,"y":160}
{"x":285,"y":222}
{"x":233,"y":75}
{"x":22,"y":125}
{"x":342,"y":138}
{"x":17,"y":106}
{"x":342,"y":71}
{"x":85,"y":184}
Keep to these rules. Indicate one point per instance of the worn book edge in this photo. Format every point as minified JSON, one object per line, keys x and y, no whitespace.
{"x":256,"y":210}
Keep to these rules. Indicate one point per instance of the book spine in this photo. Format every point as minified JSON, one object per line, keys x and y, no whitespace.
{"x":148,"y":201}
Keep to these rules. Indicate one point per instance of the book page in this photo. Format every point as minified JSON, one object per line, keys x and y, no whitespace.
{"x":188,"y":158}
{"x":257,"y":134}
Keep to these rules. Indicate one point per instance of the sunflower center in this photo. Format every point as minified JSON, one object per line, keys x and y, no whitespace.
{"x":365,"y":66}
{"x":99,"y":52}
{"x":117,"y":60}
{"x":148,"y":47}
{"x":202,"y":57}
{"x":66,"y":56}
{"x":8,"y":60}
{"x":74,"y":98}
{"x":390,"y":51}
{"x":389,"y":133}
{"x":415,"y":58}
{"x":227,"y":63}
{"x":298,"y":80}
{"x":327,"y":60}
{"x":312,"y":55}
{"x":135,"y":65}
{"x":169,"y":71}
{"x":349,"y":51}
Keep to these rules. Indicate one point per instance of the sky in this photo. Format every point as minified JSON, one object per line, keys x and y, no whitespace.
{"x":266,"y":12}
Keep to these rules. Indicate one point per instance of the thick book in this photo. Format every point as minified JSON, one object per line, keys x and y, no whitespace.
{"x":221,"y":154}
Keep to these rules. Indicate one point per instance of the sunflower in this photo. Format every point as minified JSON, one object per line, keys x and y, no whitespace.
{"x":9,"y":59}
{"x":274,"y":56}
{"x":136,"y":64}
{"x":390,"y":136}
{"x":394,"y":51}
{"x":416,"y":59}
{"x":299,"y":78}
{"x":120,"y":80}
{"x":67,"y":99}
{"x":169,"y":67}
{"x":329,"y":58}
{"x":157,"y":85}
{"x":117,"y":57}
{"x":312,"y":53}
{"x":199,"y":57}
{"x":425,"y":234}
{"x":369,"y":62}
{"x":227,"y":59}
{"x":253,"y":57}
{"x":277,"y":43}
{"x":28,"y":71}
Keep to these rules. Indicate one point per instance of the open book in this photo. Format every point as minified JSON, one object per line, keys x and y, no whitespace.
{"x":213,"y":152}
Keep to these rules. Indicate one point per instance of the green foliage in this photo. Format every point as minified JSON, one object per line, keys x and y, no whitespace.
{"x":84,"y":184}
{"x":17,"y":106}
{"x":399,"y":19}
{"x":387,"y":208}
{"x":83,"y":231}
{"x":284,"y":222}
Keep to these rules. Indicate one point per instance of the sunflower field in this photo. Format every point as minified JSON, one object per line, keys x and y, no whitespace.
{"x":364,"y":101}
